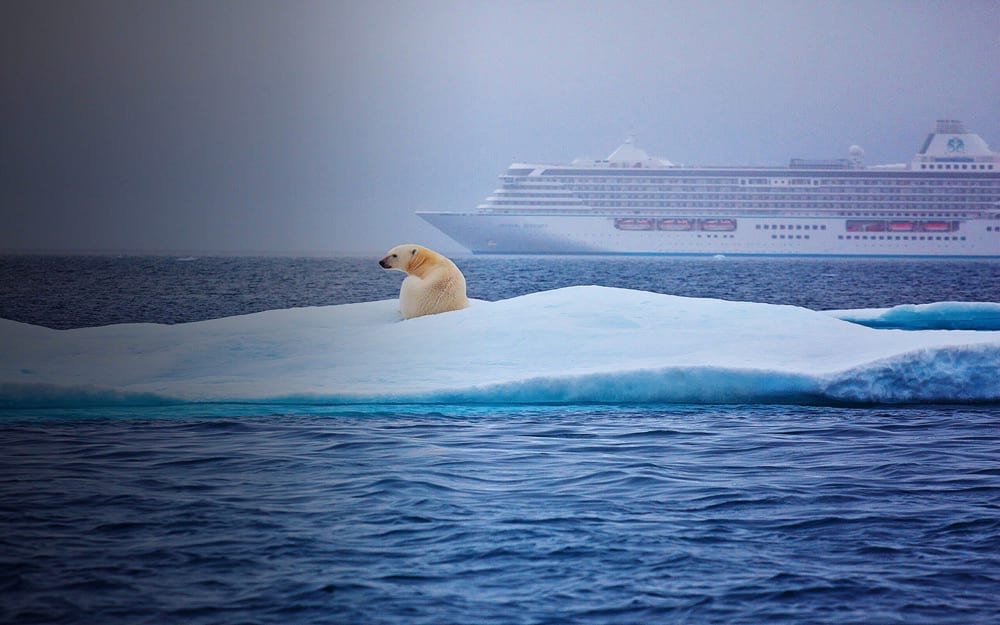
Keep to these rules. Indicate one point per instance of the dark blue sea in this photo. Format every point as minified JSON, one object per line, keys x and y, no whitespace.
{"x":441,"y":514}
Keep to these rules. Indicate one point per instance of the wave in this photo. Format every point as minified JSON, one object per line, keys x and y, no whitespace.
{"x":573,"y":345}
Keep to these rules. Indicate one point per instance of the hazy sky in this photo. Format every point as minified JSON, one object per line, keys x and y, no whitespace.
{"x":290,"y":126}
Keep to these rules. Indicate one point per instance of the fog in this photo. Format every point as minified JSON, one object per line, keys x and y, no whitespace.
{"x":320,"y":127}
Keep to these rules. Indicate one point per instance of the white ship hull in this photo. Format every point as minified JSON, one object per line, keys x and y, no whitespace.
{"x":944,"y":203}
{"x":772,"y":235}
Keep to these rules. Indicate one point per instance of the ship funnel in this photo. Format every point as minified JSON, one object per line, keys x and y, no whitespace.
{"x":952,"y":146}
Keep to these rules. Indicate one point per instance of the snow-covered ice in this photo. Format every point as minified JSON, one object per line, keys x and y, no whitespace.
{"x":578,"y":344}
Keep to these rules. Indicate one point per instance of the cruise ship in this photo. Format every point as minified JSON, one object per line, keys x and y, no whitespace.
{"x":944,"y":203}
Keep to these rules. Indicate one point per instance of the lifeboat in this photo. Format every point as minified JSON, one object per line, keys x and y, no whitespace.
{"x":865,"y":226}
{"x":718,"y":225}
{"x":631,"y":223}
{"x":937,"y":226}
{"x":902,"y":226}
{"x":676,"y":225}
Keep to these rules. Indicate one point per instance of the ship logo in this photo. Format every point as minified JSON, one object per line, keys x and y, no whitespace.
{"x":956,"y":145}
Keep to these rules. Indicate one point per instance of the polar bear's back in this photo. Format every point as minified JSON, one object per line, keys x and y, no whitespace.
{"x":442,"y":288}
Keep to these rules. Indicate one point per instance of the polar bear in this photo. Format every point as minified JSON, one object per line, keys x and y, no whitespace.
{"x":433,"y":283}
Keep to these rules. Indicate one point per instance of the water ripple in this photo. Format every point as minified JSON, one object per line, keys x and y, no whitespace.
{"x":531,"y":515}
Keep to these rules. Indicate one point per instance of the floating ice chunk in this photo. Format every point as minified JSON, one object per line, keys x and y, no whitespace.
{"x":578,"y":344}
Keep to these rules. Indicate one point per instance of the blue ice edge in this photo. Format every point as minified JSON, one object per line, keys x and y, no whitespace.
{"x":953,"y":375}
{"x":979,"y":316}
{"x":580,"y":345}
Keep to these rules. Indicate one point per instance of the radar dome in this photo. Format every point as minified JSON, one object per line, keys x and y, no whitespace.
{"x":857,"y":153}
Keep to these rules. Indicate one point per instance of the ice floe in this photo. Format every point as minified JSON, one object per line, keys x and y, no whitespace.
{"x":571,"y":345}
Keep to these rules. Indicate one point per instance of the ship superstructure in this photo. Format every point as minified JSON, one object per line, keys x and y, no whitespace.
{"x":945,"y":202}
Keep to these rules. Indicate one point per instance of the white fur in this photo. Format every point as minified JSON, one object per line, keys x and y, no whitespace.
{"x":433,"y":283}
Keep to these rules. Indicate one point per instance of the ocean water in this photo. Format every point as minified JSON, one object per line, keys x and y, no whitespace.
{"x":603,"y":513}
{"x":78,"y":291}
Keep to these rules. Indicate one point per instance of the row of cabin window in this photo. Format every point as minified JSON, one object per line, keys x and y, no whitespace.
{"x":793,"y":182}
{"x":791,"y":227}
{"x":974,"y":166}
{"x":867,"y":237}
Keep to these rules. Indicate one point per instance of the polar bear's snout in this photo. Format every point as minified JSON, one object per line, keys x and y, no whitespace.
{"x":383,"y":263}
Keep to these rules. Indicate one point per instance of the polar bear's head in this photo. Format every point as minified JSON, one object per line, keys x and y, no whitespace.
{"x":400,"y":257}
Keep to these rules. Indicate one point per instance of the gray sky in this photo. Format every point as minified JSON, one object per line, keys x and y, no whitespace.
{"x":321,"y":127}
